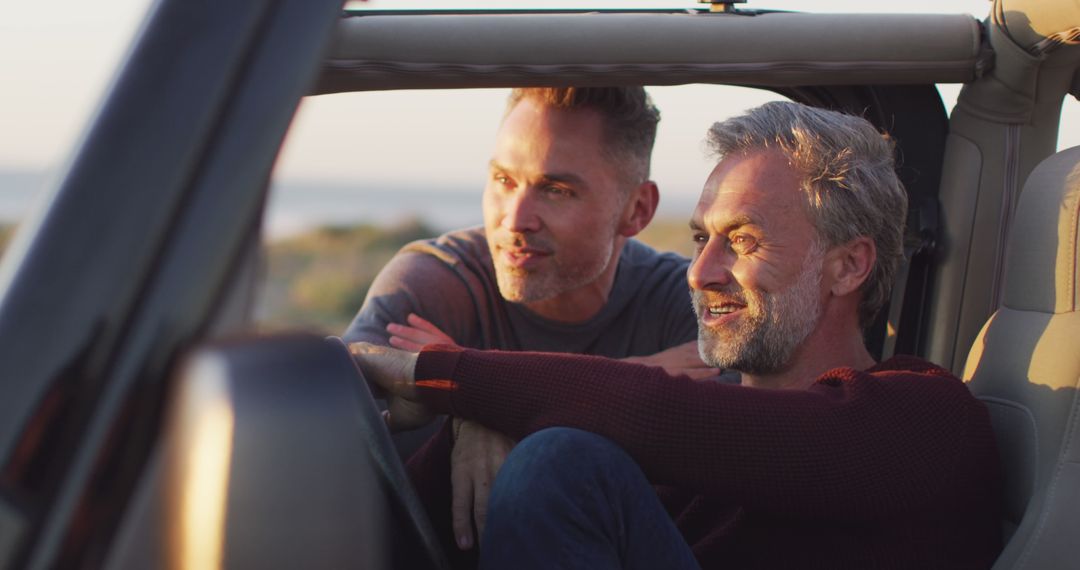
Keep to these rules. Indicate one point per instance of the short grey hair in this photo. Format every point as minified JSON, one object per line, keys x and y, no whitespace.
{"x":629,"y":115}
{"x":849,"y":180}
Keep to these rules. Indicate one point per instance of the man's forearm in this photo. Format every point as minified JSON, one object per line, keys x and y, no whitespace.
{"x":775,"y":450}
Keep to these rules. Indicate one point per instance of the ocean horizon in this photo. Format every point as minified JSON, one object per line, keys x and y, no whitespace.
{"x":297,"y":206}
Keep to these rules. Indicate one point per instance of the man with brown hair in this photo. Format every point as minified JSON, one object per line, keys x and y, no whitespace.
{"x":554,"y":268}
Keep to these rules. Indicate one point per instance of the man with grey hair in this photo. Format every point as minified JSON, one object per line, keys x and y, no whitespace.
{"x":847,"y":187}
{"x":554,"y":268}
{"x":823,"y":458}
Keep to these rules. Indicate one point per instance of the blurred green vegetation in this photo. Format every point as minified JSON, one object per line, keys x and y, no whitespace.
{"x":318,"y":280}
{"x":669,"y":234}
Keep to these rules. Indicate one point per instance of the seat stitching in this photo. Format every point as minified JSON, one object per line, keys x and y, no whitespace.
{"x":1072,"y":256}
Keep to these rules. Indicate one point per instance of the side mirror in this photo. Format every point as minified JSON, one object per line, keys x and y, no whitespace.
{"x":276,"y":456}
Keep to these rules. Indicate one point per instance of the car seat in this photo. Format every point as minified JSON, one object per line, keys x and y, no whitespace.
{"x":1025,"y":365}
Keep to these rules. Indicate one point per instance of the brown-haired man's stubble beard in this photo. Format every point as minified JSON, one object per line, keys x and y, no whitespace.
{"x":553,"y":275}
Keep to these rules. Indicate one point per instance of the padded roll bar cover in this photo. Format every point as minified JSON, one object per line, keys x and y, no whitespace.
{"x":500,"y":50}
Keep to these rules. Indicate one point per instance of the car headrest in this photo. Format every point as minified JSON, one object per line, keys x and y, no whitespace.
{"x":1044,"y":248}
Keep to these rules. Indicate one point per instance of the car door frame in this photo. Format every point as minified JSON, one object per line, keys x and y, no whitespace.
{"x":157,"y":215}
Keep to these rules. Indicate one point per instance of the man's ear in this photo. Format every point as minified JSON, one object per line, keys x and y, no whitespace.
{"x":640,"y":208}
{"x":850,"y":265}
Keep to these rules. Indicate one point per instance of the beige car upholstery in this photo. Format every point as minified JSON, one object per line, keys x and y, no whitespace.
{"x":1004,"y":124}
{"x":1025,"y":364}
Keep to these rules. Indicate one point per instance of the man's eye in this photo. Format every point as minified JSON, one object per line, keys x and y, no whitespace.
{"x":700,"y":239}
{"x":742,"y":244}
{"x":558,"y":191}
{"x":501,"y":179}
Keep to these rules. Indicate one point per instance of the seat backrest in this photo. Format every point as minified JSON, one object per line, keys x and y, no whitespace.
{"x":1025,"y":365}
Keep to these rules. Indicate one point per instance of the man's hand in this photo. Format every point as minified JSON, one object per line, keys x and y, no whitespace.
{"x":681,"y":359}
{"x":476,"y":458}
{"x":417,"y":334}
{"x":393,"y":371}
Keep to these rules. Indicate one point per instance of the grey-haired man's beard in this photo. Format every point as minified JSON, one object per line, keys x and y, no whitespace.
{"x":770,"y":328}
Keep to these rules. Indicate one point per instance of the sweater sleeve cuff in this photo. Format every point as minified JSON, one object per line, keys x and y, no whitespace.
{"x":434,"y":375}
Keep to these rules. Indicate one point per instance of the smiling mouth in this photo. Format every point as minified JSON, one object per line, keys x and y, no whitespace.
{"x":725,"y":309}
{"x":718,"y":312}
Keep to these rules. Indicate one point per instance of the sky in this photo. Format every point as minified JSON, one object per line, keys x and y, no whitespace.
{"x":58,"y":56}
{"x":57,"y":59}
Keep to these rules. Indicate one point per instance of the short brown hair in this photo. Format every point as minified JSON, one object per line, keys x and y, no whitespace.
{"x":629,"y":115}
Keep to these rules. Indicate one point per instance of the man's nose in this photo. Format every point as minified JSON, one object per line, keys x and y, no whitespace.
{"x":711,"y":268}
{"x":521,"y":213}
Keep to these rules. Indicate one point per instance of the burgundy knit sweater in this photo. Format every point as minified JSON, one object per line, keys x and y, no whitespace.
{"x":892,"y":467}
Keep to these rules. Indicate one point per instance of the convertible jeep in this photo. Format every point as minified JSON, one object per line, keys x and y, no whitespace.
{"x":144,"y":424}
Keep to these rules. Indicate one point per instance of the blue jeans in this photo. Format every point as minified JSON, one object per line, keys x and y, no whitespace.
{"x":567,"y":498}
